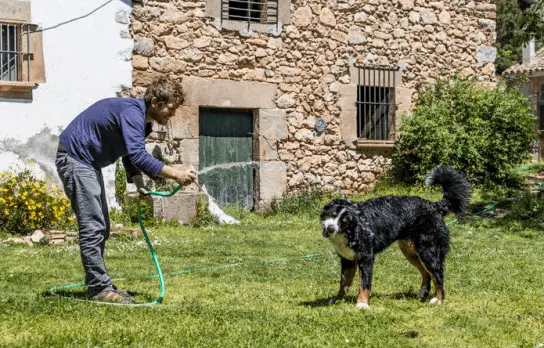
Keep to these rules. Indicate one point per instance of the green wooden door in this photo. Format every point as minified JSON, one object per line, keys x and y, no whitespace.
{"x":225,"y":138}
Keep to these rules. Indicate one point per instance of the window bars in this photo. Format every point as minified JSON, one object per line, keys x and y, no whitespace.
{"x":12,"y":51}
{"x":252,"y":11}
{"x":375,"y":102}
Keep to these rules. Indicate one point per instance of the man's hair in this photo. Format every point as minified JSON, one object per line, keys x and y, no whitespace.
{"x":165,"y":90}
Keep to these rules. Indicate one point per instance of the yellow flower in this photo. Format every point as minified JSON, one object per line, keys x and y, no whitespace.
{"x":6,"y":212}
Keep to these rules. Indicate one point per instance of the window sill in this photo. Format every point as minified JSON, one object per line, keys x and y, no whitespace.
{"x":375,"y":144}
{"x":242,"y":27}
{"x":16,"y":89}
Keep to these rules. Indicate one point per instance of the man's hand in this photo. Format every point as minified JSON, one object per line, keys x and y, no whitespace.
{"x":138,"y":180}
{"x":143,"y":192}
{"x":182,"y":177}
{"x":185,"y":177}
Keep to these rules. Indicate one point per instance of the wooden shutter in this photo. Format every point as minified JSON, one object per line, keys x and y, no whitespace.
{"x":35,"y":55}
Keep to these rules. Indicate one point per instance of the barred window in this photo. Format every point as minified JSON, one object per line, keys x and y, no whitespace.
{"x":13,"y":52}
{"x":375,"y":102}
{"x":21,"y":51}
{"x":252,"y":11}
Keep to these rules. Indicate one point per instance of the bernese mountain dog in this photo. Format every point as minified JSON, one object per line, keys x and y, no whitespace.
{"x":360,"y":230}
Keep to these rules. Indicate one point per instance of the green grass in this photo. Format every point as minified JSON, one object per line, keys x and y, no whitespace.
{"x":494,"y":291}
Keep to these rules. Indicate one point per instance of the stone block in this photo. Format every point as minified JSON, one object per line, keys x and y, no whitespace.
{"x":348,"y":116}
{"x":271,"y":181}
{"x":184,"y":124}
{"x":18,"y":11}
{"x":272,"y":127}
{"x":188,"y":151}
{"x":180,"y":207}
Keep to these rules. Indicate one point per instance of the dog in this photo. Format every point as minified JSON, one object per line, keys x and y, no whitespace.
{"x":360,"y":230}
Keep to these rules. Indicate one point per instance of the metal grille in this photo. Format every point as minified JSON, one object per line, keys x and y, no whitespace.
{"x":252,"y":11}
{"x":375,"y":102}
{"x":13,"y":51}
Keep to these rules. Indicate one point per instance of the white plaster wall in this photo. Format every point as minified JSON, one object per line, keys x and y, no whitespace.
{"x":85,"y":60}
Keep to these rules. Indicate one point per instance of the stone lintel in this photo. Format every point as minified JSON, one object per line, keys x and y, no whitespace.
{"x":229,"y":94}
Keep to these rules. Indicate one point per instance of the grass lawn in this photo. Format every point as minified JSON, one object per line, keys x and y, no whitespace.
{"x":494,"y":291}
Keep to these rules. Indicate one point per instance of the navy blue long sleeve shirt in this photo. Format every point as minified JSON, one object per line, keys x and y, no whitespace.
{"x":108,"y":130}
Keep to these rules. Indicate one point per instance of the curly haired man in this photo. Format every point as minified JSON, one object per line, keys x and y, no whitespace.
{"x":110,"y":129}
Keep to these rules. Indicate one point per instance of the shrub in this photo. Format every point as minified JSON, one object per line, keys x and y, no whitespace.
{"x":309,"y":200}
{"x":203,"y":216}
{"x":528,"y":209}
{"x":484,"y":133}
{"x":128,"y":214}
{"x":120,"y":182}
{"x":27,"y":203}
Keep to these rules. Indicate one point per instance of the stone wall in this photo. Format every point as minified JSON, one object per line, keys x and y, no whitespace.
{"x":309,"y":62}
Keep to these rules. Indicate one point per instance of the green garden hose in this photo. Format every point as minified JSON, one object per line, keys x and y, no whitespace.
{"x":153,"y":255}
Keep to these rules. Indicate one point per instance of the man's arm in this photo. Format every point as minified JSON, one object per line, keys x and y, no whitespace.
{"x":182,"y":177}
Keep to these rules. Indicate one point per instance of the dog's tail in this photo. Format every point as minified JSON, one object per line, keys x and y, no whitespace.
{"x":456,"y":189}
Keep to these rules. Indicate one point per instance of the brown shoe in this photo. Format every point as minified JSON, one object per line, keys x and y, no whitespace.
{"x":123,"y":292}
{"x":112,"y":296}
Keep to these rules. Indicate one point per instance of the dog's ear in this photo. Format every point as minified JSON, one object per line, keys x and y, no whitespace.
{"x":345,"y":201}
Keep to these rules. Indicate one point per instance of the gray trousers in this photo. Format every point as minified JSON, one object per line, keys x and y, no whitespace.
{"x":84,"y":186}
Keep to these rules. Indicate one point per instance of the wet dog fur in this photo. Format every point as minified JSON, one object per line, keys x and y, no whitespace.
{"x":360,"y":230}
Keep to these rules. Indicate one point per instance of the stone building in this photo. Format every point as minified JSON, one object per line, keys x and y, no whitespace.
{"x":325,"y":82}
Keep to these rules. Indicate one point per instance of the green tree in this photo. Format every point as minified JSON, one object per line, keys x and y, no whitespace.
{"x":509,"y":34}
{"x":533,"y":21}
{"x":517,"y":22}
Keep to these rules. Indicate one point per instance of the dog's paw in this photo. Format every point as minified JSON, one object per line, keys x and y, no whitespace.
{"x":422,"y":294}
{"x":362,"y":305}
{"x":435,"y":300}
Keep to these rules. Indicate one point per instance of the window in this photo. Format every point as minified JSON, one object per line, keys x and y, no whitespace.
{"x":13,"y":52}
{"x":21,"y":51}
{"x":376,"y":103}
{"x":258,"y":11}
{"x":249,"y":16}
{"x":250,"y":11}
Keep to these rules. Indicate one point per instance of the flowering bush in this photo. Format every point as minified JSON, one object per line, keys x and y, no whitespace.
{"x":27,"y":203}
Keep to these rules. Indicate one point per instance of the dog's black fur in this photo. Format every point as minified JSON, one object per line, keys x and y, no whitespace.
{"x":361,"y":230}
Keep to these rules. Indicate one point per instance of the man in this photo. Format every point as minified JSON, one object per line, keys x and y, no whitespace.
{"x":108,"y":130}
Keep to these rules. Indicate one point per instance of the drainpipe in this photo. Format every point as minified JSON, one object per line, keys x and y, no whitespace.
{"x":528,"y":57}
{"x":529,"y":52}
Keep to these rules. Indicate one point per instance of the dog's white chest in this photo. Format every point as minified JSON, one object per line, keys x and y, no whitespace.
{"x":340,"y":244}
